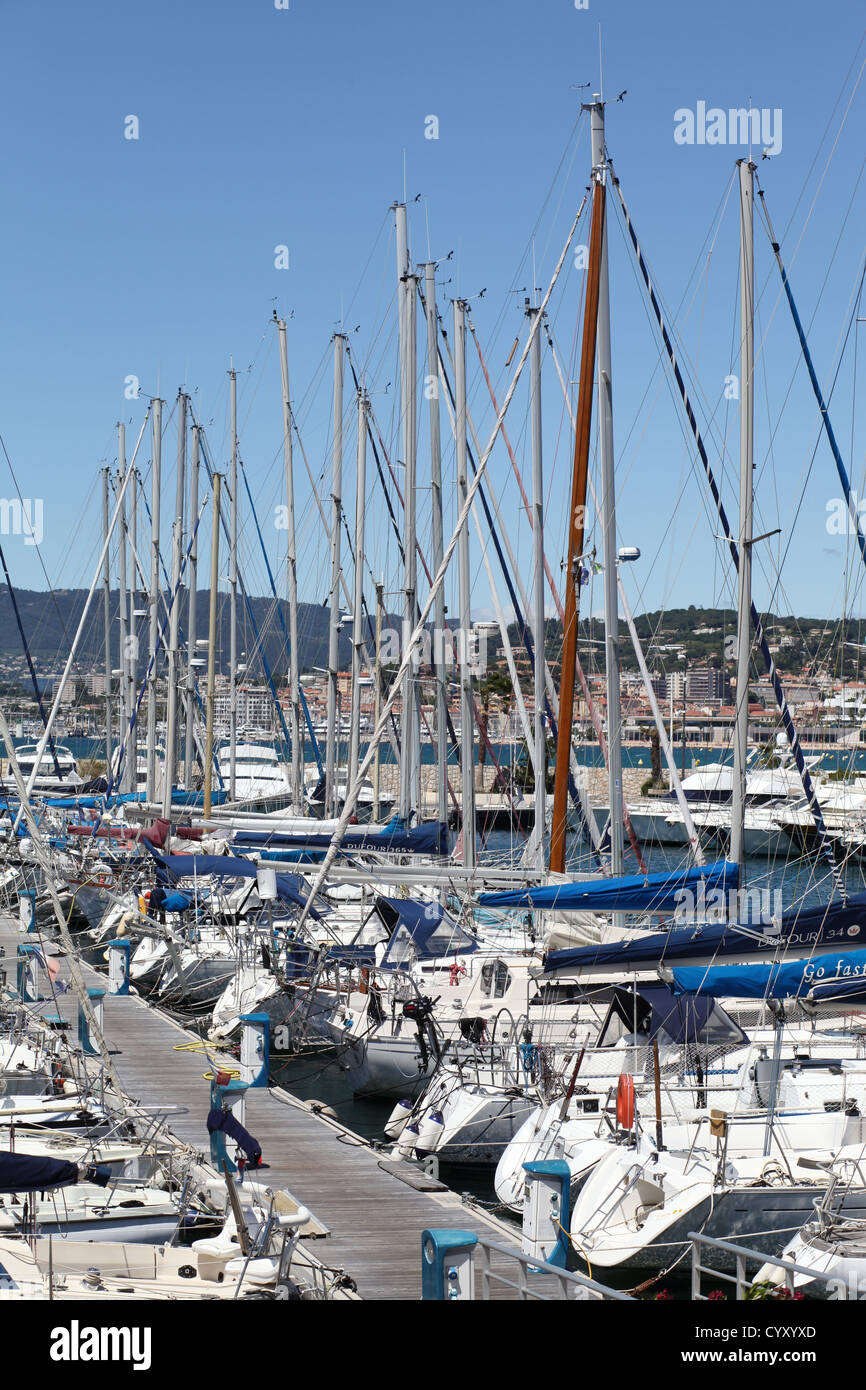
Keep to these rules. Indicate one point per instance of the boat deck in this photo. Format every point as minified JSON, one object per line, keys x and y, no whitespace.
{"x":374,"y":1218}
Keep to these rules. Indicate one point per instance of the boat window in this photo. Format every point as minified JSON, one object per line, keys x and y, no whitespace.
{"x":495,"y":979}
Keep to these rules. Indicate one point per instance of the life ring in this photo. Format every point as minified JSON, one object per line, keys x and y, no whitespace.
{"x":625,"y":1101}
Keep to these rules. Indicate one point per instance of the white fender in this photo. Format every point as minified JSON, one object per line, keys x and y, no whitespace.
{"x":398,"y":1119}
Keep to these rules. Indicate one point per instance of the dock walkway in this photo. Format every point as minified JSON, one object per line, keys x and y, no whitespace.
{"x":374,"y":1218}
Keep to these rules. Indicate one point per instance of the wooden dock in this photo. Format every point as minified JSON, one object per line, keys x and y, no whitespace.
{"x":374,"y":1218}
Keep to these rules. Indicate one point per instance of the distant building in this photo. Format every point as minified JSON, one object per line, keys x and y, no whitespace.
{"x":708,"y":683}
{"x":255,"y":711}
{"x":68,"y":696}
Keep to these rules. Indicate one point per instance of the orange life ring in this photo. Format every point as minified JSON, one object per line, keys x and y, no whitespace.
{"x":625,"y":1101}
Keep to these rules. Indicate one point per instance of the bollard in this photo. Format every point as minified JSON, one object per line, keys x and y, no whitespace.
{"x":27,"y":909}
{"x":96,"y":997}
{"x":255,"y":1045}
{"x":228,"y":1095}
{"x":448,"y":1265}
{"x":118,"y":966}
{"x":546,"y":1211}
{"x":27,"y":974}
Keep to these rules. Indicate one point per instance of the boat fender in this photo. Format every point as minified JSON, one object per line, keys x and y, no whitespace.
{"x":625,"y":1101}
{"x":431,"y":1129}
{"x":408,"y":1140}
{"x":398,"y":1119}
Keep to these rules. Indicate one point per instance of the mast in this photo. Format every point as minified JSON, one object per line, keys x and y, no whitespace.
{"x":407,"y":285}
{"x":211,"y":645}
{"x":377,"y":691}
{"x":174,"y":612}
{"x":744,"y":573}
{"x":576,"y":529}
{"x":608,"y":518}
{"x":192,"y":608}
{"x":358,"y":603}
{"x":132,"y":633}
{"x":336,"y":530}
{"x":467,"y":710}
{"x":539,"y":760}
{"x":291,"y":557}
{"x":121,"y":584}
{"x":438,"y":542}
{"x":106,"y":614}
{"x":233,"y":581}
{"x":153,"y":601}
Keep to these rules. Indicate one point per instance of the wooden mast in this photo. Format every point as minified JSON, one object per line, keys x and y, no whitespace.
{"x":575,"y":534}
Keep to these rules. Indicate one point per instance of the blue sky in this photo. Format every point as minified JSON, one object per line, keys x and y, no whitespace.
{"x":261,"y":127}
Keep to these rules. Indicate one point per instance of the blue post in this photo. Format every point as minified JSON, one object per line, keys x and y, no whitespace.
{"x":27,"y":909}
{"x":96,"y":996}
{"x":255,"y":1049}
{"x":546,"y":1211}
{"x":448,"y":1265}
{"x":26,"y":978}
{"x":224,"y":1097}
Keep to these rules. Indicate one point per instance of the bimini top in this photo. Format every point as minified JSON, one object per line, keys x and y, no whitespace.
{"x":825,"y":977}
{"x":171,"y":867}
{"x":635,"y":893}
{"x":420,"y":931}
{"x":798,"y":933}
{"x":659,"y":1013}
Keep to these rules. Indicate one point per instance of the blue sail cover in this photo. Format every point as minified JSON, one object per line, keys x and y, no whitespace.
{"x":29,"y":1173}
{"x":171,"y":867}
{"x":89,"y":801}
{"x":420,"y":931}
{"x":431,"y":838}
{"x":802,"y":932}
{"x":636,"y":893}
{"x":839,"y":974}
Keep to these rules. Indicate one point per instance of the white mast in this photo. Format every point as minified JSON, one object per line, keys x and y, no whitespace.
{"x":377,"y":690}
{"x":211,"y":646}
{"x":358,"y":604}
{"x":106,"y":607}
{"x":438,"y":541}
{"x":233,"y":581}
{"x":174,"y":612}
{"x":608,"y":518}
{"x":540,"y":759}
{"x":192,"y":608}
{"x":132,"y":633}
{"x":153,"y":601}
{"x":467,"y":706}
{"x":744,"y":574}
{"x":336,"y":529}
{"x":292,"y":567}
{"x":407,"y":342}
{"x":121,"y":604}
